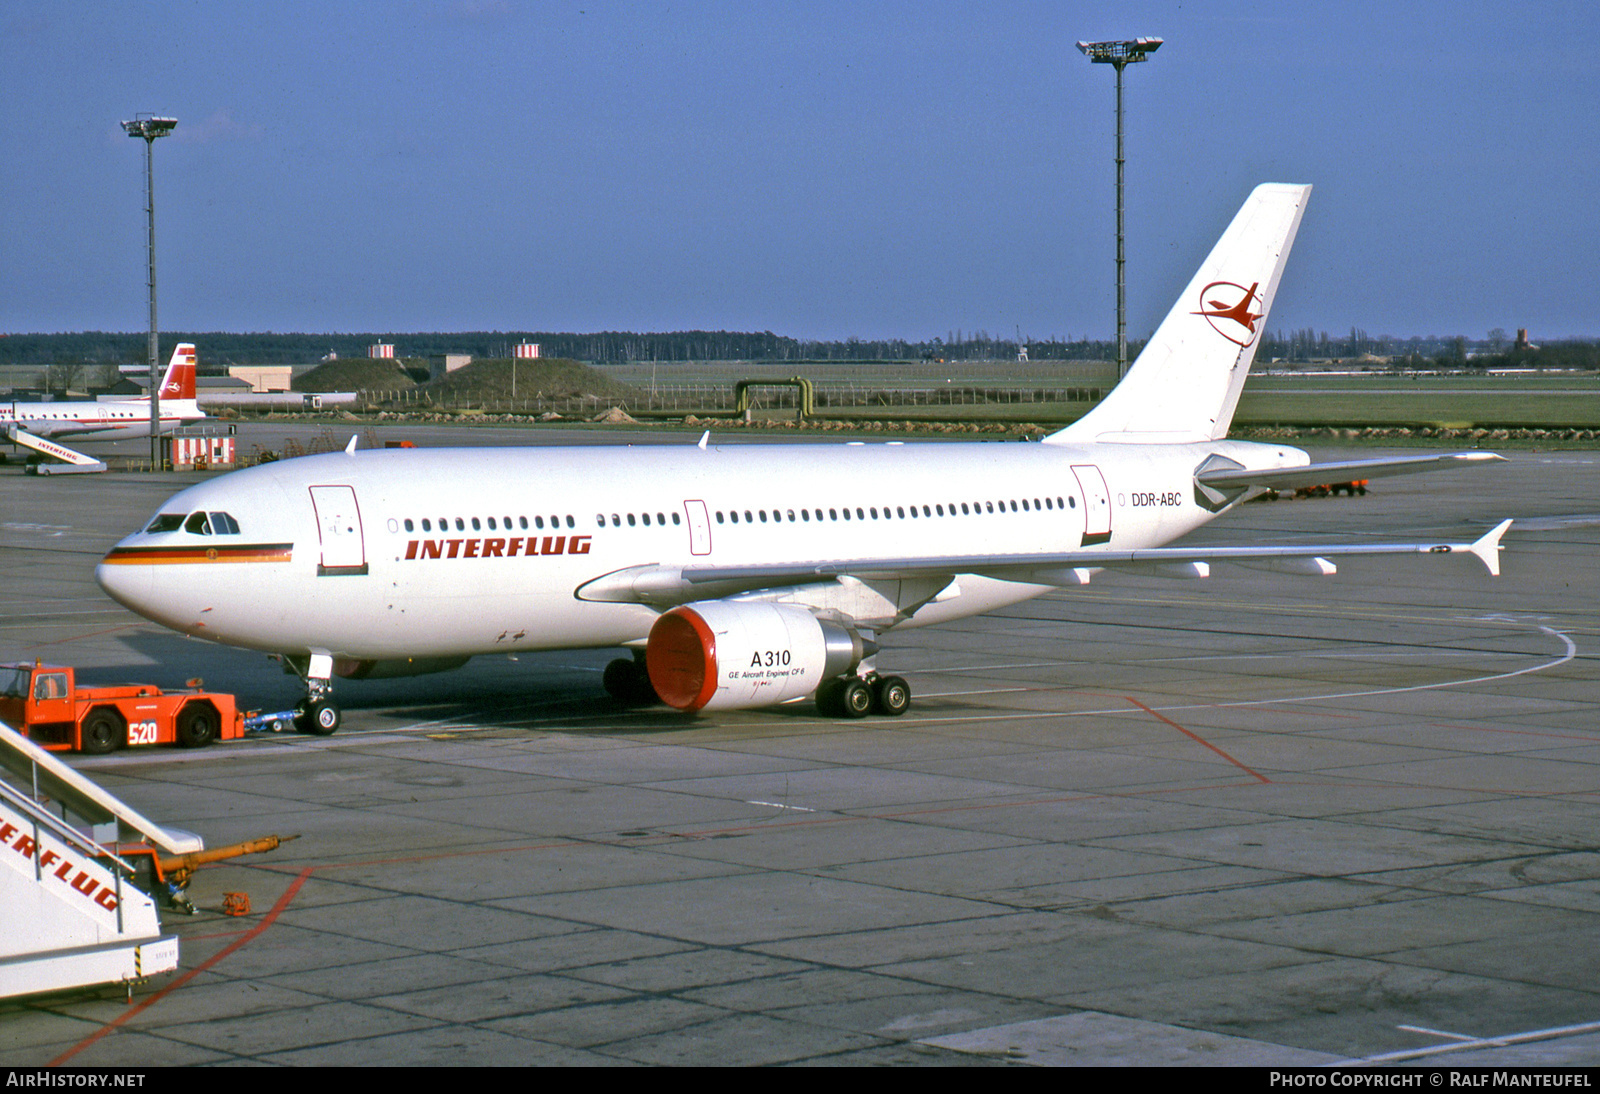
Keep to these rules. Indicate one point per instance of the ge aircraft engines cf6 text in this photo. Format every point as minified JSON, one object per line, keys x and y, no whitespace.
{"x":742,"y":575}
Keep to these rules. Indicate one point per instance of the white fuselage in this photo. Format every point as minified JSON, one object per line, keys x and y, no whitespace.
{"x":103,"y":421}
{"x":396,"y":554}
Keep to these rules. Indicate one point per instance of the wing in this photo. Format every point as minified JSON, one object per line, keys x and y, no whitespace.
{"x":58,"y":431}
{"x":665,"y":586}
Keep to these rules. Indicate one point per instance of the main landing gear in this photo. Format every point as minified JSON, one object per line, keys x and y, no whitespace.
{"x":858,"y":696}
{"x":865,"y":690}
{"x":628,"y":681}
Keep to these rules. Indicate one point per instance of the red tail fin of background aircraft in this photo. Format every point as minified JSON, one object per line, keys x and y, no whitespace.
{"x":178,"y":383}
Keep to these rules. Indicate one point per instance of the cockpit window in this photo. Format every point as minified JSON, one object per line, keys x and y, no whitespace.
{"x":198,"y":524}
{"x":166,"y":522}
{"x":223,"y":524}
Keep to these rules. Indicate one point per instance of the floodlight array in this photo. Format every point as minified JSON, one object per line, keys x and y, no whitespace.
{"x":1119,"y":53}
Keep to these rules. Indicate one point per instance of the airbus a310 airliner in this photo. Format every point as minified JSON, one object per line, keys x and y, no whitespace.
{"x":744,"y":575}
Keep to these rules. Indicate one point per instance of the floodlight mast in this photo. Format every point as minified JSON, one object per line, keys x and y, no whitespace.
{"x":148,"y":127}
{"x":1118,"y":55}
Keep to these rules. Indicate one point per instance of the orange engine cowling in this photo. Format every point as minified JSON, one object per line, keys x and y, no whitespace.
{"x":725,"y":655}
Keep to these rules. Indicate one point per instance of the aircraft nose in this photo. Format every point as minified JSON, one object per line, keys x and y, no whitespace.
{"x":130,"y":585}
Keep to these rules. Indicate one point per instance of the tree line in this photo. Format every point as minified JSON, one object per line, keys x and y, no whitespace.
{"x":218,"y":349}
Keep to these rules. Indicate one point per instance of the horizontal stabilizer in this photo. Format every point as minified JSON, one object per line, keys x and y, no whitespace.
{"x":1324,"y":474}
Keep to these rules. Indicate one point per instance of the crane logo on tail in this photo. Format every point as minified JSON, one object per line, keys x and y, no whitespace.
{"x":1235,"y":322}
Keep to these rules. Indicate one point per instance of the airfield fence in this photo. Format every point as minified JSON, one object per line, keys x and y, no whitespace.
{"x":686,"y":398}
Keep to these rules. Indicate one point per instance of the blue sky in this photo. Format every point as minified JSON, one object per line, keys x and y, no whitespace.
{"x":820,"y":170}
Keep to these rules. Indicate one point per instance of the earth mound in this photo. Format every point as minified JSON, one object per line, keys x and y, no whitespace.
{"x":355,"y":374}
{"x":490,"y":378}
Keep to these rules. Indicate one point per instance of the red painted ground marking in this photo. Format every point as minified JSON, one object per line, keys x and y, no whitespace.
{"x":266,"y":921}
{"x":80,"y":637}
{"x":245,"y":937}
{"x":1198,"y":740}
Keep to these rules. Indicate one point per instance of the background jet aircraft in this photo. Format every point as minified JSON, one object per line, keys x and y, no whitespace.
{"x":744,"y":575}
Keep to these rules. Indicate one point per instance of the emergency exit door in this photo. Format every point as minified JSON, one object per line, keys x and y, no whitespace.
{"x":699,"y":527}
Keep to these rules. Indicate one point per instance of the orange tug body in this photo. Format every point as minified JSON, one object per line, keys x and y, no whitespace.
{"x":44,"y":704}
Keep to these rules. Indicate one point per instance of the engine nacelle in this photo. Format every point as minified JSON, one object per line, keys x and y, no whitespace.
{"x":725,"y":655}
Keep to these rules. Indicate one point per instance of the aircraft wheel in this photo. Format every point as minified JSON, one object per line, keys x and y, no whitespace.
{"x":320,"y":718}
{"x":891,"y":695}
{"x":197,"y":725}
{"x":828,"y":699}
{"x":628,"y":681}
{"x":855,"y":699}
{"x":617,"y":677}
{"x":103,"y":731}
{"x":641,"y":691}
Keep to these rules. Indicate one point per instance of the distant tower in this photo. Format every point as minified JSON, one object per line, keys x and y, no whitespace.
{"x":1022,"y":347}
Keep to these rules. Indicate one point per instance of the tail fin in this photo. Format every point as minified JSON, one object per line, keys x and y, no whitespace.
{"x":1186,"y":382}
{"x":178,"y":382}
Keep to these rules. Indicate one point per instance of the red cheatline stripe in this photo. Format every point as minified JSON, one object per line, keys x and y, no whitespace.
{"x":266,"y":921}
{"x":161,"y":556}
{"x":1258,"y":776}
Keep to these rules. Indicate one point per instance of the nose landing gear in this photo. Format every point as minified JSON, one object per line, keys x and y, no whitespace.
{"x":318,"y":716}
{"x":316,"y":713}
